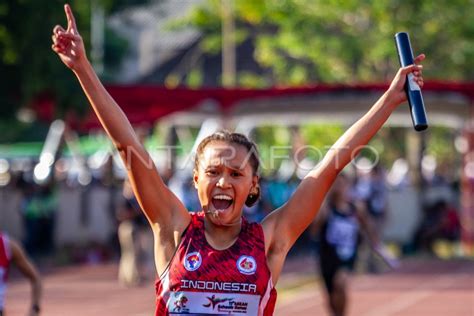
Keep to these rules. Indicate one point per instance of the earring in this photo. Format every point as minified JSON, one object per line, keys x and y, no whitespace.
{"x":253,"y":196}
{"x":254,"y":191}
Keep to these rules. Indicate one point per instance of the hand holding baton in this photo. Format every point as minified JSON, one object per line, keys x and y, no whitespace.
{"x":412,"y":90}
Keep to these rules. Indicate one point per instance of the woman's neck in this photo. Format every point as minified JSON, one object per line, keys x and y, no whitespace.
{"x":221,"y":237}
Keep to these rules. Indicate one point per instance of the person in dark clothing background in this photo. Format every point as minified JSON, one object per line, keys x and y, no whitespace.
{"x":339,"y":227}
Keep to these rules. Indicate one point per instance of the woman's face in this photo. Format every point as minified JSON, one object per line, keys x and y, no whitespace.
{"x":224,"y":180}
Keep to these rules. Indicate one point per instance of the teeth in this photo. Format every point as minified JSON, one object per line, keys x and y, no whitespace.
{"x":222,"y":197}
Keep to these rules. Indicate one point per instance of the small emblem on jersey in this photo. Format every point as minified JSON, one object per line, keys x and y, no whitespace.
{"x":180,"y":301}
{"x":192,"y":261}
{"x":247,"y":265}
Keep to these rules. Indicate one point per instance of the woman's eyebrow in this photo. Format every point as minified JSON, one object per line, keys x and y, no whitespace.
{"x":236,"y":168}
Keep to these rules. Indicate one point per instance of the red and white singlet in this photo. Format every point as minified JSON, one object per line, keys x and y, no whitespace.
{"x":203,"y":281}
{"x":5,"y":257}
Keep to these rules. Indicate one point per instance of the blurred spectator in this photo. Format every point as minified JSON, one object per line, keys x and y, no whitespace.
{"x":440,"y":222}
{"x":183,"y":187}
{"x":279,"y":188}
{"x":377,"y":199}
{"x":132,"y":224}
{"x":38,"y":208}
{"x":399,"y":177}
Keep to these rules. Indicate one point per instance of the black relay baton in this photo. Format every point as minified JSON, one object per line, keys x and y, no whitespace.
{"x":413,"y":91}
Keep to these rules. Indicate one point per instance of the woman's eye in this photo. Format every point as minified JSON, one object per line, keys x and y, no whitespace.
{"x":211,"y":172}
{"x":235,"y":174}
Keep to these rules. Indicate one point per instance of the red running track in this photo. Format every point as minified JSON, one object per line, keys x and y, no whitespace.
{"x":420,"y":287}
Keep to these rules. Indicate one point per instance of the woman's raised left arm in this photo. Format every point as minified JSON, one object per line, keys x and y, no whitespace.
{"x":283,"y":226}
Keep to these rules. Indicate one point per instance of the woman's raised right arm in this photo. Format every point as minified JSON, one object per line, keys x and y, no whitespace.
{"x":163,"y":209}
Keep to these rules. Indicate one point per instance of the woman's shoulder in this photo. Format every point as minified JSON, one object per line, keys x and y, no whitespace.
{"x":253,"y":228}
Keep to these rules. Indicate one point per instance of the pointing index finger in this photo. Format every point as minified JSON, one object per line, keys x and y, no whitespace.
{"x":71,"y":22}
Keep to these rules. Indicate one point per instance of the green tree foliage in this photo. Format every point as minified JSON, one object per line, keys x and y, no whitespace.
{"x":29,"y":67}
{"x":347,"y":41}
{"x":440,"y":144}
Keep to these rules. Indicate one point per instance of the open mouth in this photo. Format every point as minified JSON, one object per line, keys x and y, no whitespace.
{"x":222,"y":202}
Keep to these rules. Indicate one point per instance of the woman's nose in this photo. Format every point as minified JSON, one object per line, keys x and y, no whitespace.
{"x":223,"y":182}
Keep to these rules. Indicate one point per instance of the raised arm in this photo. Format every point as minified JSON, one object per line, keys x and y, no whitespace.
{"x":23,"y":264}
{"x":162,"y":208}
{"x":294,"y":217}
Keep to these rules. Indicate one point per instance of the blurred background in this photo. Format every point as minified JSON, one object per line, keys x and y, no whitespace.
{"x":293,"y":75}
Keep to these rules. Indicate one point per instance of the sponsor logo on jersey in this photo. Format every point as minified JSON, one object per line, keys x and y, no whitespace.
{"x":228,"y":305}
{"x":213,"y":301}
{"x":192,"y":261}
{"x":247,"y":265}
